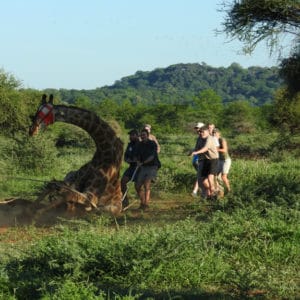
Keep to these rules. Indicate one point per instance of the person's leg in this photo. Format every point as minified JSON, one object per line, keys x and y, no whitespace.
{"x":147,"y":185}
{"x":139,"y":185}
{"x":124,"y":182}
{"x":141,"y":193}
{"x":213,"y":170}
{"x":196,"y":185}
{"x":211,"y":182}
{"x":205,"y":185}
{"x":225,"y":171}
{"x":226,"y":182}
{"x":195,"y":188}
{"x":201,"y":175}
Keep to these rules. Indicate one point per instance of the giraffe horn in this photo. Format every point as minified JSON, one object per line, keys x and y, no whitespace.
{"x":44,"y":99}
{"x":51,"y":99}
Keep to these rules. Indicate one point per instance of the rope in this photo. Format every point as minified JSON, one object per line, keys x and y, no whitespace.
{"x":23,"y":178}
{"x":131,"y":179}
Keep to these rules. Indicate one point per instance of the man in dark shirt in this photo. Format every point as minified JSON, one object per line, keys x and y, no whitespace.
{"x":129,"y":157}
{"x":201,"y":157}
{"x":148,"y":162}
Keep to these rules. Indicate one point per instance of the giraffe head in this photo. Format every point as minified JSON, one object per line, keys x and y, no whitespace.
{"x":44,"y":115}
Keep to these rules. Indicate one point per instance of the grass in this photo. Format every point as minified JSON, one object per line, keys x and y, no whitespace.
{"x":243,"y":246}
{"x":223,"y":255}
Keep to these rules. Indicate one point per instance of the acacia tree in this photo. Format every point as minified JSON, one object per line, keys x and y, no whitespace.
{"x":252,"y":21}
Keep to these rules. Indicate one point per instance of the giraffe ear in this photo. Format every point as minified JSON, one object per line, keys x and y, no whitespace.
{"x":44,"y":99}
{"x":51,"y":99}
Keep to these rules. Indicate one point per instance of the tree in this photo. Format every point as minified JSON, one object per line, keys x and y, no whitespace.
{"x":240,"y":117}
{"x":252,"y":21}
{"x":290,"y":72}
{"x":286,"y":111}
{"x":209,"y":106}
{"x":14,"y":104}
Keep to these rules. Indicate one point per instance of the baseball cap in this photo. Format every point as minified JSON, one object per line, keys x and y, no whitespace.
{"x":199,"y":125}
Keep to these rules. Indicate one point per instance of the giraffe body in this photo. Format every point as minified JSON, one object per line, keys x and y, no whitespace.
{"x":96,"y":184}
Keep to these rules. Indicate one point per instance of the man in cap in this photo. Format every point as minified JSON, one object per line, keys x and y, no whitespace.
{"x":197,"y":161}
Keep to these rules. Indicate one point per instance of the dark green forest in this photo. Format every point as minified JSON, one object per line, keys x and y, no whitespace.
{"x":180,"y":83}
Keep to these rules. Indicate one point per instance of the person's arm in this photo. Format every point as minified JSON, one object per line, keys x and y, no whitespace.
{"x":154,"y":139}
{"x":148,"y":159}
{"x":126,"y":155}
{"x":202,"y":150}
{"x":224,"y":149}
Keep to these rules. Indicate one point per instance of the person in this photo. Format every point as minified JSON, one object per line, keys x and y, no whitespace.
{"x":130,"y":158}
{"x":224,"y":159}
{"x":209,"y":170}
{"x":152,"y":137}
{"x":211,"y":127}
{"x":148,"y":162}
{"x":195,"y":160}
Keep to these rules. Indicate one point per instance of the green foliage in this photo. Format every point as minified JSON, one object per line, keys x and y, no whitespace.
{"x":8,"y":81}
{"x":70,"y":290}
{"x":240,"y":117}
{"x":237,"y":252}
{"x":253,"y":21}
{"x":179,"y":84}
{"x":290,"y":72}
{"x":35,"y":154}
{"x":286,"y":111}
{"x":15,"y":105}
{"x":210,"y":105}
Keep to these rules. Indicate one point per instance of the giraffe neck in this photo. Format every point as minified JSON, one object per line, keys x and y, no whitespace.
{"x":107,"y":143}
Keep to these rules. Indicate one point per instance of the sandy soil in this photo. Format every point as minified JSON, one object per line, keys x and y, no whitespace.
{"x":19,"y":212}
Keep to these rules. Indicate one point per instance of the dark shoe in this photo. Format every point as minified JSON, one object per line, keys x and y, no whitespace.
{"x":144,"y":207}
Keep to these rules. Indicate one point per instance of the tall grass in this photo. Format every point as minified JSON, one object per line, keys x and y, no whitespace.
{"x":232,"y":254}
{"x":242,"y":246}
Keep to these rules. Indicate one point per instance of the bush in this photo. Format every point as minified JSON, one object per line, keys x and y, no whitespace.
{"x":37,"y":154}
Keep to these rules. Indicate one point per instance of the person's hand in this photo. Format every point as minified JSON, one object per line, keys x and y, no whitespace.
{"x":189,"y":153}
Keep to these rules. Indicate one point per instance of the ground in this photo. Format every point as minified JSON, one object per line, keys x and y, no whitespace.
{"x":18,"y":212}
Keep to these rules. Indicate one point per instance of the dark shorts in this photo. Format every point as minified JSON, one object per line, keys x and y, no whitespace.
{"x":210,"y":166}
{"x":129,"y":173}
{"x":146,"y":173}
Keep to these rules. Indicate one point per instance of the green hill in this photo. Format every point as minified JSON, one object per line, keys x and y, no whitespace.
{"x":178,"y":84}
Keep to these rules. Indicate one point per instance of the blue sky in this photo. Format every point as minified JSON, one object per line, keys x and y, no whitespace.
{"x":76,"y":44}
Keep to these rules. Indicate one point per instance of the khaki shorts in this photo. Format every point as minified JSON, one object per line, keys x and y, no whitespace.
{"x":146,"y":172}
{"x":224,"y":166}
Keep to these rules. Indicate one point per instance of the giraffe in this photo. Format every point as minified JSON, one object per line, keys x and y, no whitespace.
{"x":96,"y":184}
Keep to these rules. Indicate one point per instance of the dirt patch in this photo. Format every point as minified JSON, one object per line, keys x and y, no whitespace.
{"x":22,"y":212}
